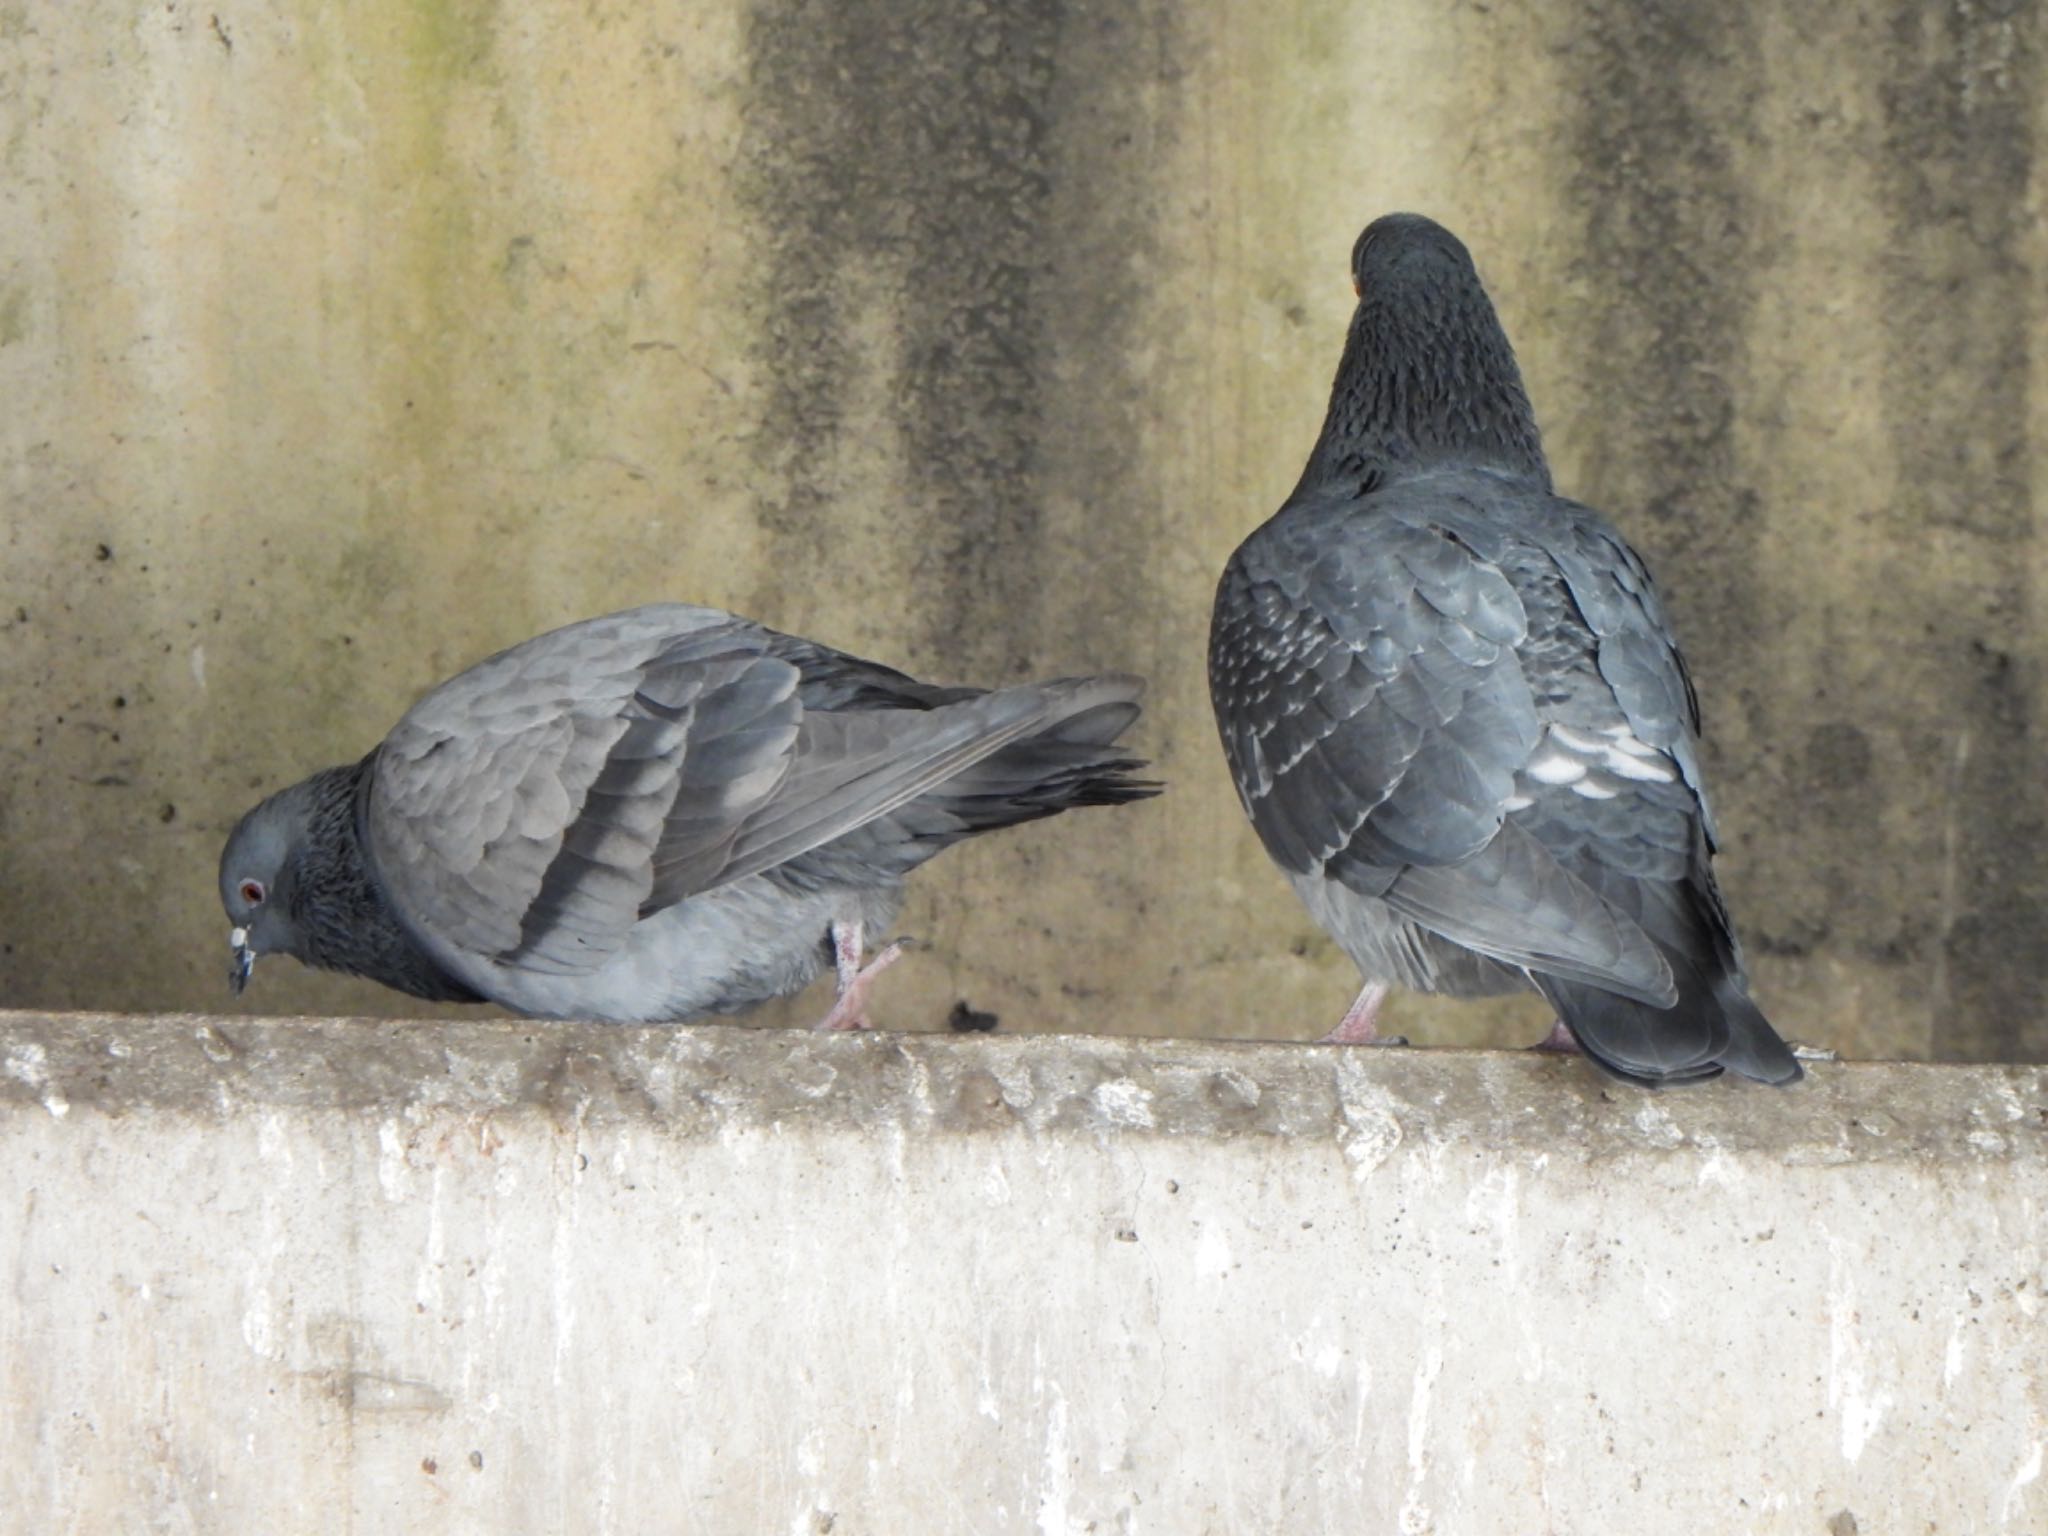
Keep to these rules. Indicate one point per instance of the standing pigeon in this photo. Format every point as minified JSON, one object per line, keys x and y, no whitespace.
{"x":661,"y":813}
{"x":1455,"y":711}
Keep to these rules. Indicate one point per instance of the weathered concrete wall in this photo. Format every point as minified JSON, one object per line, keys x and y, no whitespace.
{"x":442,"y":1277}
{"x":342,"y":345}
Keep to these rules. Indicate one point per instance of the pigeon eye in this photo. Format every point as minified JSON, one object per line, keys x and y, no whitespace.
{"x":252,"y":892}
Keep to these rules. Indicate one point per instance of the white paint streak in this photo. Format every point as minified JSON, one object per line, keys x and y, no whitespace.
{"x":29,"y":1065}
{"x":427,"y":1285}
{"x":258,"y":1330}
{"x":1860,"y":1406}
{"x":1658,"y":1126}
{"x":1414,"y":1513}
{"x":2029,"y":1471}
{"x":1495,"y":1202}
{"x":1213,"y":1257}
{"x":1721,"y":1169}
{"x":1122,"y":1102}
{"x":1659,"y":1298}
{"x":995,"y":1185}
{"x":393,"y":1177}
{"x":808,"y":1461}
{"x":272,"y":1145}
{"x":1370,"y":1133}
{"x":197,"y":661}
{"x":1057,"y":1484}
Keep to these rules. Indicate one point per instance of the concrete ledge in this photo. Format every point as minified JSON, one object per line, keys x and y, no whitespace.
{"x":329,"y":1274}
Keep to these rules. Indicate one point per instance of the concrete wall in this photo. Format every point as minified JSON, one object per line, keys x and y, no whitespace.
{"x":452,"y":1277}
{"x":340,"y":345}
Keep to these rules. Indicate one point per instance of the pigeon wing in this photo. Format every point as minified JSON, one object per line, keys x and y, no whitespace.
{"x":1374,"y":709}
{"x":517,"y":809}
{"x":533,"y":809}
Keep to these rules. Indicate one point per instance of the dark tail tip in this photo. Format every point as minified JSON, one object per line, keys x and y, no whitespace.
{"x":1700,"y":1038}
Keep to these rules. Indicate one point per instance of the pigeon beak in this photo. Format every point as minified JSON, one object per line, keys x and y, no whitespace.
{"x":244,"y":960}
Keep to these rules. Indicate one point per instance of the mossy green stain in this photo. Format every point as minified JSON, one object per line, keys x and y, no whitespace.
{"x":13,"y":315}
{"x":444,"y":45}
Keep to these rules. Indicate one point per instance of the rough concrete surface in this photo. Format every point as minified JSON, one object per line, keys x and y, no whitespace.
{"x":435,"y":1277}
{"x":342,"y":345}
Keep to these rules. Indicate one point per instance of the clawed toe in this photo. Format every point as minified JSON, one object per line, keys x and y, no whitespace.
{"x":849,"y":1011}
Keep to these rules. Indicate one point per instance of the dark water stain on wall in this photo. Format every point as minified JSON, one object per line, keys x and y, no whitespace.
{"x":1960,"y":113}
{"x":1662,"y":93}
{"x":906,"y":155}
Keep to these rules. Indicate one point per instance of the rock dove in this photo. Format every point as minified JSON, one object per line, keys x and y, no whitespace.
{"x":1455,"y":711}
{"x":653,"y":815}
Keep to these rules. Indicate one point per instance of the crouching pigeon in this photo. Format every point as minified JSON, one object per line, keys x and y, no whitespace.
{"x":653,"y":815}
{"x":1455,"y":711}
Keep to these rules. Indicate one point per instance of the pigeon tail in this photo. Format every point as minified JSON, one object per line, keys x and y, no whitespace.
{"x":1712,"y":1028}
{"x":1071,"y":762}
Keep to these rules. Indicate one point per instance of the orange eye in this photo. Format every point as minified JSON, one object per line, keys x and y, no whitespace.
{"x":252,"y":892}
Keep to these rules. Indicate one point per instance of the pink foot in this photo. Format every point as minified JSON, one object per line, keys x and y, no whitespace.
{"x":1360,"y":1026}
{"x":850,"y":1008}
{"x":1559,"y":1039}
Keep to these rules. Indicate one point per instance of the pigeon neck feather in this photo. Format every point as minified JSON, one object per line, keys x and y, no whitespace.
{"x":338,"y":908}
{"x":1427,"y":380}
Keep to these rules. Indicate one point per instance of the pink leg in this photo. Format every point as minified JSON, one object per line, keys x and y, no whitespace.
{"x":850,"y":1010}
{"x":1360,"y":1025}
{"x":1560,"y":1038}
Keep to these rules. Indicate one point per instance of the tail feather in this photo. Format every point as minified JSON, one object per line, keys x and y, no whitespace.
{"x":1755,"y":1049}
{"x":1714,"y":1027}
{"x":1069,"y":763}
{"x":1068,"y":760}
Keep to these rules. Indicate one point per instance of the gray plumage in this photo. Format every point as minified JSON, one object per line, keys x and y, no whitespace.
{"x":1454,"y":709}
{"x":653,"y":815}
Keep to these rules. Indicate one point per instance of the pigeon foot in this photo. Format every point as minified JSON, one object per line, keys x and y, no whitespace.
{"x":849,"y":1010}
{"x":1360,"y":1025}
{"x":1560,"y":1039}
{"x":1812,"y":1052}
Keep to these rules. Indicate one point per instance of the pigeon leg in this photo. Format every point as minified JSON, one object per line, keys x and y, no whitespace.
{"x":850,"y":1010}
{"x":1560,"y":1038}
{"x":1360,"y":1025}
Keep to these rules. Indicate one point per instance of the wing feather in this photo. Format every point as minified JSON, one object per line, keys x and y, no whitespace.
{"x":533,"y":809}
{"x":1383,"y":685}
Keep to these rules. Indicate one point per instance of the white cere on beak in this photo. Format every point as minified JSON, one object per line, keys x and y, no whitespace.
{"x":238,"y":937}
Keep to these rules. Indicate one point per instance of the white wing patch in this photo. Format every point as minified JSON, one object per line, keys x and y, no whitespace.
{"x":1593,"y":764}
{"x":1554,"y":767}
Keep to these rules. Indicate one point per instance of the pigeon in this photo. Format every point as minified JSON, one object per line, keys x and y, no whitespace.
{"x":1455,"y":711}
{"x":656,"y":815}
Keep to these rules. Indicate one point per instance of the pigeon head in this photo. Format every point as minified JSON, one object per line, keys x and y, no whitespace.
{"x":1428,"y":378}
{"x":1405,"y":249}
{"x":295,"y":881}
{"x":258,"y":870}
